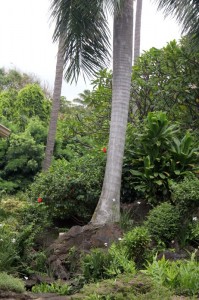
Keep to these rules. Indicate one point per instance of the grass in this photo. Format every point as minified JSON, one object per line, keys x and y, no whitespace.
{"x":10,"y":283}
{"x":124,"y":287}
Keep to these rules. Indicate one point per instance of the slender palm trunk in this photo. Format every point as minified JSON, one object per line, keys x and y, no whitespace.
{"x":55,"y":108}
{"x":138,"y":19}
{"x":108,"y":208}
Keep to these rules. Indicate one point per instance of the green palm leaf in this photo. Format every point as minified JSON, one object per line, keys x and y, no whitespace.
{"x":83,"y":27}
{"x":186,"y":12}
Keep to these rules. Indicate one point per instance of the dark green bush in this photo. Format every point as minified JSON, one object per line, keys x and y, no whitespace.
{"x":137,"y":242}
{"x":185,"y":194}
{"x":70,"y":190}
{"x":21,"y":157}
{"x":163,"y":222}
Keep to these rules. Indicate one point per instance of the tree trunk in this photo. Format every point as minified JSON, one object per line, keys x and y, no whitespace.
{"x":138,"y":19}
{"x":55,"y":108}
{"x":108,"y":208}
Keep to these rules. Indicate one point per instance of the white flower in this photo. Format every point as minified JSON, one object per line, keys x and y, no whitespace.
{"x":25,"y":277}
{"x":13,"y":240}
{"x":119,"y":239}
{"x":138,"y":202}
{"x":113,"y":199}
{"x":195,"y":218}
{"x":1,"y":225}
{"x":105,"y":244}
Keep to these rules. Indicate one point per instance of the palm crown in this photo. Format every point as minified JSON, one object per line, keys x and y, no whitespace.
{"x":83,"y":27}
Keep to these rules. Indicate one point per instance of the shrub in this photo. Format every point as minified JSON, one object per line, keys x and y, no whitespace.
{"x":70,"y":190}
{"x":185,"y":194}
{"x":20,"y":163}
{"x":10,"y":283}
{"x":156,"y":154}
{"x":163,"y":222}
{"x":136,"y":243}
{"x":11,"y":206}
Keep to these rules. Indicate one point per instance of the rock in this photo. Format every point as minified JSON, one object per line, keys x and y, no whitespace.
{"x":172,"y":255}
{"x":66,"y":250}
{"x":36,"y":279}
{"x":137,"y":210}
{"x":13,"y":296}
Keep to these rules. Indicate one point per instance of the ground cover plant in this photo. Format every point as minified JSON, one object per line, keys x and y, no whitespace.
{"x":10,"y":283}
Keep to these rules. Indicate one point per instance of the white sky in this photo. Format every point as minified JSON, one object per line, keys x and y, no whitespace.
{"x":26,"y":38}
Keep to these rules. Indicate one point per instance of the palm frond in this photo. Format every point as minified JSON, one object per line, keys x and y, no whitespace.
{"x":83,"y":27}
{"x":186,"y":13}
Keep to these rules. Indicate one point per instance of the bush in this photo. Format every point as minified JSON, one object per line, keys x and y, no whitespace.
{"x":163,"y":222}
{"x":21,"y":225}
{"x":185,"y":194}
{"x":156,"y":154}
{"x":10,"y":283}
{"x":11,"y":206}
{"x":70,"y":190}
{"x":136,"y":243}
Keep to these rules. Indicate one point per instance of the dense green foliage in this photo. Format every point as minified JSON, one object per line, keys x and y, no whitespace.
{"x":136,"y":243}
{"x":71,"y":190}
{"x":161,"y":166}
{"x":163,"y":222}
{"x":101,"y":264}
{"x":181,"y":276}
{"x":167,"y":79}
{"x":21,"y":157}
{"x":157,"y":153}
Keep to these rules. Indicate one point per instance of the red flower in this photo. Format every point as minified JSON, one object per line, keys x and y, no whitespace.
{"x":39,"y":200}
{"x":104,"y":149}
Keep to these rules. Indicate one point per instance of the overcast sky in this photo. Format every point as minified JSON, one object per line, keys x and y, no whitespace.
{"x":26,"y":38}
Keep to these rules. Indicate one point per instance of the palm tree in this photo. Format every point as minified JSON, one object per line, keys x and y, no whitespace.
{"x":187,"y":14}
{"x":84,"y":46}
{"x":137,"y":34}
{"x":108,"y":208}
{"x":55,"y":108}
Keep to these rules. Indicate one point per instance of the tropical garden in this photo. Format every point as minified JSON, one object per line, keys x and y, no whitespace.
{"x":124,"y":154}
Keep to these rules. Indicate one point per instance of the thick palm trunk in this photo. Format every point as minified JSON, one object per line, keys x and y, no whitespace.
{"x":108,"y":208}
{"x":138,"y":19}
{"x":55,"y":108}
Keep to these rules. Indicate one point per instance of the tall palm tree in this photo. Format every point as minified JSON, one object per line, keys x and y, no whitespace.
{"x":108,"y":208}
{"x":55,"y":107}
{"x":187,"y":14}
{"x":84,"y":46}
{"x":137,"y":34}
